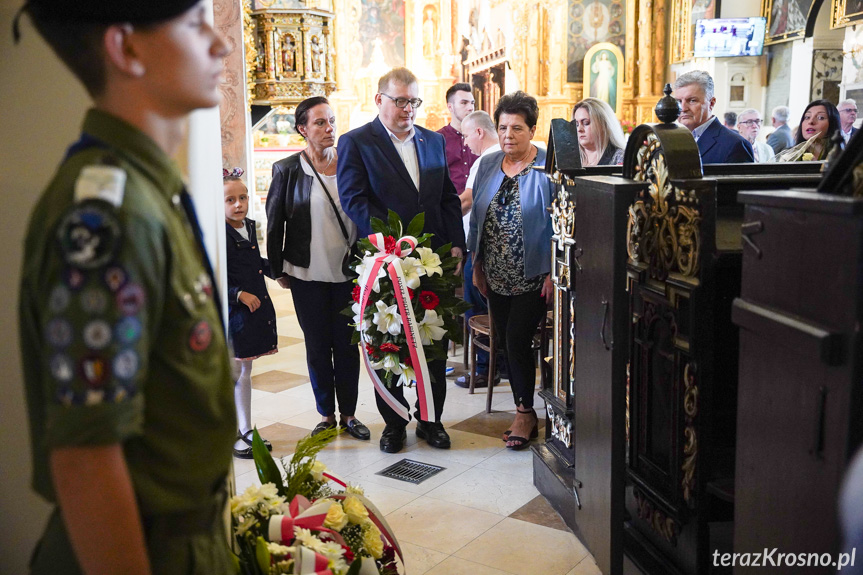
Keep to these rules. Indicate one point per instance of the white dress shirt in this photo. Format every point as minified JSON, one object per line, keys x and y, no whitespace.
{"x":408,"y":152}
{"x":471,"y":176}
{"x":697,"y":132}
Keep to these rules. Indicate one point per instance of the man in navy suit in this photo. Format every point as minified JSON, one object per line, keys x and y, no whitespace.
{"x":391,"y":164}
{"x":716,"y":143}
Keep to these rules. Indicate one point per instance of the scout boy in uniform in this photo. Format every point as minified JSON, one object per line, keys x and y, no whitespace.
{"x":127,"y":372}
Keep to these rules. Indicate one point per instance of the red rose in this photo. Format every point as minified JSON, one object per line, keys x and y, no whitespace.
{"x":390,"y":245}
{"x":429,"y":300}
{"x":370,"y":349}
{"x":349,"y":555}
{"x":356,"y":294}
{"x":390,"y":347}
{"x":410,"y":293}
{"x":408,"y":361}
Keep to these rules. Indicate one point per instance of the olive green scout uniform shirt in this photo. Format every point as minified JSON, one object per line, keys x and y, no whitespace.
{"x":120,"y":334}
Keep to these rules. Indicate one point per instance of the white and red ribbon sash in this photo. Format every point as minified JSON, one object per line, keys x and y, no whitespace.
{"x":302,"y":514}
{"x":310,"y":562}
{"x":409,"y":323}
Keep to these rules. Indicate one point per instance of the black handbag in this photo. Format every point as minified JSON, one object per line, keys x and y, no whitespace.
{"x":352,"y":249}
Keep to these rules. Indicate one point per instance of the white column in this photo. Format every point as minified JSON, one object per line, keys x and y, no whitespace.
{"x":801,"y":79}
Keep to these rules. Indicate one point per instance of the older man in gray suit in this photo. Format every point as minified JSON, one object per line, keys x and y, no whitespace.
{"x":781,"y":137}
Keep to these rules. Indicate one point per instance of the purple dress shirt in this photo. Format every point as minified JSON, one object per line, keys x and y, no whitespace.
{"x":459,"y":158}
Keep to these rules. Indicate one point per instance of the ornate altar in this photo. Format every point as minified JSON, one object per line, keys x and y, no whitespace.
{"x":289,"y":52}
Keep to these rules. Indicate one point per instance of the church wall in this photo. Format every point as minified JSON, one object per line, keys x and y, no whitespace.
{"x":41,"y":115}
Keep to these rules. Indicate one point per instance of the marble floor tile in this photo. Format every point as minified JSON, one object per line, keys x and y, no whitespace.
{"x":286,"y":340}
{"x":419,"y":559}
{"x":491,"y":424}
{"x":467,"y":448}
{"x":283,"y":437}
{"x":539,"y":512}
{"x":275,"y":380}
{"x":457,"y":566}
{"x":523,"y":559}
{"x":245,"y":480}
{"x":387,"y":499}
{"x":494,"y":492}
{"x":280,"y":407}
{"x":586,"y":566}
{"x":519,"y":464}
{"x":440,"y":525}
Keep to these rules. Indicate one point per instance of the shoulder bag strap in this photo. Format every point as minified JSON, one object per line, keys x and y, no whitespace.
{"x":329,"y":197}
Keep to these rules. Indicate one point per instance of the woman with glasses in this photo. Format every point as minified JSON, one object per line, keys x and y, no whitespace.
{"x":308,"y":237}
{"x":510,"y":237}
{"x":749,"y":126}
{"x":600,"y":138}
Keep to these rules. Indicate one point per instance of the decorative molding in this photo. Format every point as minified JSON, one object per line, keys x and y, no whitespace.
{"x":664,"y":525}
{"x":664,"y":228}
{"x":561,"y":427}
{"x":690,"y":448}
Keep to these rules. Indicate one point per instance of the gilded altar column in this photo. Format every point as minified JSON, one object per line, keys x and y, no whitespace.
{"x":647,"y":63}
{"x":228,"y":19}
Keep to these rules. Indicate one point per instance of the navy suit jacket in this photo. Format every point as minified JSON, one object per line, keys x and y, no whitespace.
{"x":372,"y":179}
{"x":719,"y":145}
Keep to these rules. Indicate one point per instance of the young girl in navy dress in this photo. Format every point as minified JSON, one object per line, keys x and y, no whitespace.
{"x":252,"y":318}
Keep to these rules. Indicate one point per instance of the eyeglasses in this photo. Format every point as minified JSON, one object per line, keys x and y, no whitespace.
{"x":750,"y":123}
{"x":849,"y":110}
{"x":402,"y":102}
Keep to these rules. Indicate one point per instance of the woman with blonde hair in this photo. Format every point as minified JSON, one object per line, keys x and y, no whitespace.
{"x":600,"y":138}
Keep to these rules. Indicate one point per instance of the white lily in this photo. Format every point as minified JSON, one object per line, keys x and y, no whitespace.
{"x":430,"y":261}
{"x":431,"y":327}
{"x":363,"y":325}
{"x":391,"y":363}
{"x":407,"y":377}
{"x":387,"y":318}
{"x":413,"y":270}
{"x":361,"y":268}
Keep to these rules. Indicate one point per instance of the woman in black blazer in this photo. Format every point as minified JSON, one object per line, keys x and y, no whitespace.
{"x":308,"y":237}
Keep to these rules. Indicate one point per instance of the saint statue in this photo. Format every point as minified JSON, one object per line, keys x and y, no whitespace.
{"x":288,"y":53}
{"x":429,"y":31}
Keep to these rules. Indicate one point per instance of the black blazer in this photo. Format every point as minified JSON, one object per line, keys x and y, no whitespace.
{"x":719,"y":145}
{"x":289,"y":215}
{"x":252,"y":334}
{"x":372,"y":179}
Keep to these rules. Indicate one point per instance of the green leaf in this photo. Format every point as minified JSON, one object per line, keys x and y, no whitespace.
{"x":395,"y":223}
{"x":355,"y":566}
{"x":415,"y":228}
{"x":378,"y":227}
{"x":268,"y":472}
{"x":262,"y":554}
{"x":444,"y":251}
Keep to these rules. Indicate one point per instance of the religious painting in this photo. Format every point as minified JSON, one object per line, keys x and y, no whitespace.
{"x":590,"y":22}
{"x":430,"y":31}
{"x":685,"y":15}
{"x":846,"y":13}
{"x":826,"y":75}
{"x":384,"y":20}
{"x":603,"y":71}
{"x":786,"y":19}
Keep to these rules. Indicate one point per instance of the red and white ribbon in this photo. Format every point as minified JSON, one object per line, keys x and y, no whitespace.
{"x":310,"y":562}
{"x":409,"y":324}
{"x":302,"y":514}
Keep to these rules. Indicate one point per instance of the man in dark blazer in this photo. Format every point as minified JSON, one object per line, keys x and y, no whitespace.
{"x":781,"y":138}
{"x":847,"y":117}
{"x":390,"y":164}
{"x":716,"y":143}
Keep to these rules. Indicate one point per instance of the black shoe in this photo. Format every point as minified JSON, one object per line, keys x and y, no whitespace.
{"x":246,"y":452}
{"x":356,"y":429}
{"x":433,"y":433}
{"x":323,"y":426}
{"x":393,"y":438}
{"x":481,"y":381}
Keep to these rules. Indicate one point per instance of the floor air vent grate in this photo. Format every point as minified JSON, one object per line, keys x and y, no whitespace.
{"x":411,"y":471}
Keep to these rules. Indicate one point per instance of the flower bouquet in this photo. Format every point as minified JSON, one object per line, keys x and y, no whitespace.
{"x":404,"y":302}
{"x":627,"y":126}
{"x":300,"y":524}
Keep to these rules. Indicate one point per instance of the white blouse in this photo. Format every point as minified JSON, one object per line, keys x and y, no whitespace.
{"x":328,"y":247}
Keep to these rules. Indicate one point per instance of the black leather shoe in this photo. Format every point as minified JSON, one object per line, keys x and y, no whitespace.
{"x":323,"y":426}
{"x":356,"y":429}
{"x":393,"y":438}
{"x":433,"y":433}
{"x":481,"y":381}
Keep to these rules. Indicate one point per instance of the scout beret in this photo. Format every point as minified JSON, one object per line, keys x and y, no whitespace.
{"x":107,"y":11}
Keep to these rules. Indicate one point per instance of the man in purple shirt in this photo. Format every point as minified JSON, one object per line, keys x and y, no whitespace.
{"x":459,"y":158}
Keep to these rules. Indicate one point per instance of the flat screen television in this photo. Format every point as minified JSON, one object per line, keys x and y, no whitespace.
{"x":726,"y":37}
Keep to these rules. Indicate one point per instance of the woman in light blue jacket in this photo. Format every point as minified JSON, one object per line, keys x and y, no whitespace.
{"x":510,"y":237}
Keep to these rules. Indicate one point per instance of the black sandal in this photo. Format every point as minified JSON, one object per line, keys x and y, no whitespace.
{"x":246,"y":452}
{"x":523,"y":442}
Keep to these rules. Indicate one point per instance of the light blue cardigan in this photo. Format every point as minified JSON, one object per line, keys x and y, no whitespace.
{"x":536,"y":196}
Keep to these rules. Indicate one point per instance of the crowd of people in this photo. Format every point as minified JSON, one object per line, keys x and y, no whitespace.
{"x":134,"y":405}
